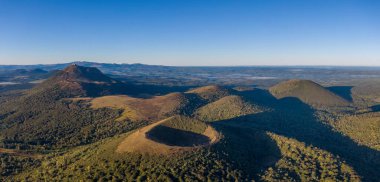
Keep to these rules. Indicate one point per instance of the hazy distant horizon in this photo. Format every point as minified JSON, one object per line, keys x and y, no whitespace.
{"x":105,"y":62}
{"x":191,"y":33}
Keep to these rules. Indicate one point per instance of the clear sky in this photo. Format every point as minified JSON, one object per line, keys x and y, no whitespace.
{"x":191,"y":32}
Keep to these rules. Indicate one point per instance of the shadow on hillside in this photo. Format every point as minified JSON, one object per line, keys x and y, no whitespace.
{"x":342,"y":91}
{"x":176,"y":137}
{"x":249,"y":149}
{"x":375,"y":108}
{"x":292,"y":118}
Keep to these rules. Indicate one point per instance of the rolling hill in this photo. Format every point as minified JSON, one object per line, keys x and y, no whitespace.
{"x":83,"y":125}
{"x":309,"y":92}
{"x":79,"y":81}
{"x":226,"y":108}
{"x":75,"y":73}
{"x":210,"y":93}
{"x":150,"y":109}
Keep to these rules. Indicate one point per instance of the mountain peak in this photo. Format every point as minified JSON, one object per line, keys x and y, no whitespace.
{"x":72,"y":67}
{"x":77,"y":80}
{"x":78,"y":73}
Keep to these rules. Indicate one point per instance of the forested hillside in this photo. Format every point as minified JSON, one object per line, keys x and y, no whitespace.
{"x":82,"y":125}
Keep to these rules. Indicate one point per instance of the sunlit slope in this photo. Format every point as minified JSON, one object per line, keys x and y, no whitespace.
{"x":210,"y":93}
{"x":309,"y":92}
{"x":151,"y":109}
{"x":226,"y":108}
{"x":79,"y":81}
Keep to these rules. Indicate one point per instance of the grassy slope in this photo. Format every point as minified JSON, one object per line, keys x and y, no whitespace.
{"x":307,"y":91}
{"x":210,"y":93}
{"x":226,"y":108}
{"x":186,"y":124}
{"x":137,"y":109}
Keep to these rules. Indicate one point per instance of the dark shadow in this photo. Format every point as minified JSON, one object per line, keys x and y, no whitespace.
{"x":248,"y":149}
{"x":375,"y":108}
{"x":16,"y":87}
{"x":342,"y":91}
{"x":292,"y":118}
{"x":175,"y":137}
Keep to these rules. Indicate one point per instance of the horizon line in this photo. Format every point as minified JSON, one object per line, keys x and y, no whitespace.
{"x":253,"y":65}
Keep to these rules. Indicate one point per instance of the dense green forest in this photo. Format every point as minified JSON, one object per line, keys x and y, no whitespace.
{"x":41,"y":121}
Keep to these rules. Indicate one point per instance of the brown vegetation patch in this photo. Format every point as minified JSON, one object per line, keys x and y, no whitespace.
{"x":137,"y":109}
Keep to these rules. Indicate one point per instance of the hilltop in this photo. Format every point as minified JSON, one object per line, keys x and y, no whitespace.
{"x":308,"y":92}
{"x":75,"y":73}
{"x":42,"y":117}
{"x":82,"y":81}
{"x":210,"y":93}
{"x":227,"y":107}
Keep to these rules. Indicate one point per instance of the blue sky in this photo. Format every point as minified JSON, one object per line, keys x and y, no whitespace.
{"x":191,"y":32}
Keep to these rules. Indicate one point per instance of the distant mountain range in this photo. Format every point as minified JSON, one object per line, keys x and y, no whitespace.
{"x":105,"y":67}
{"x":264,"y":76}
